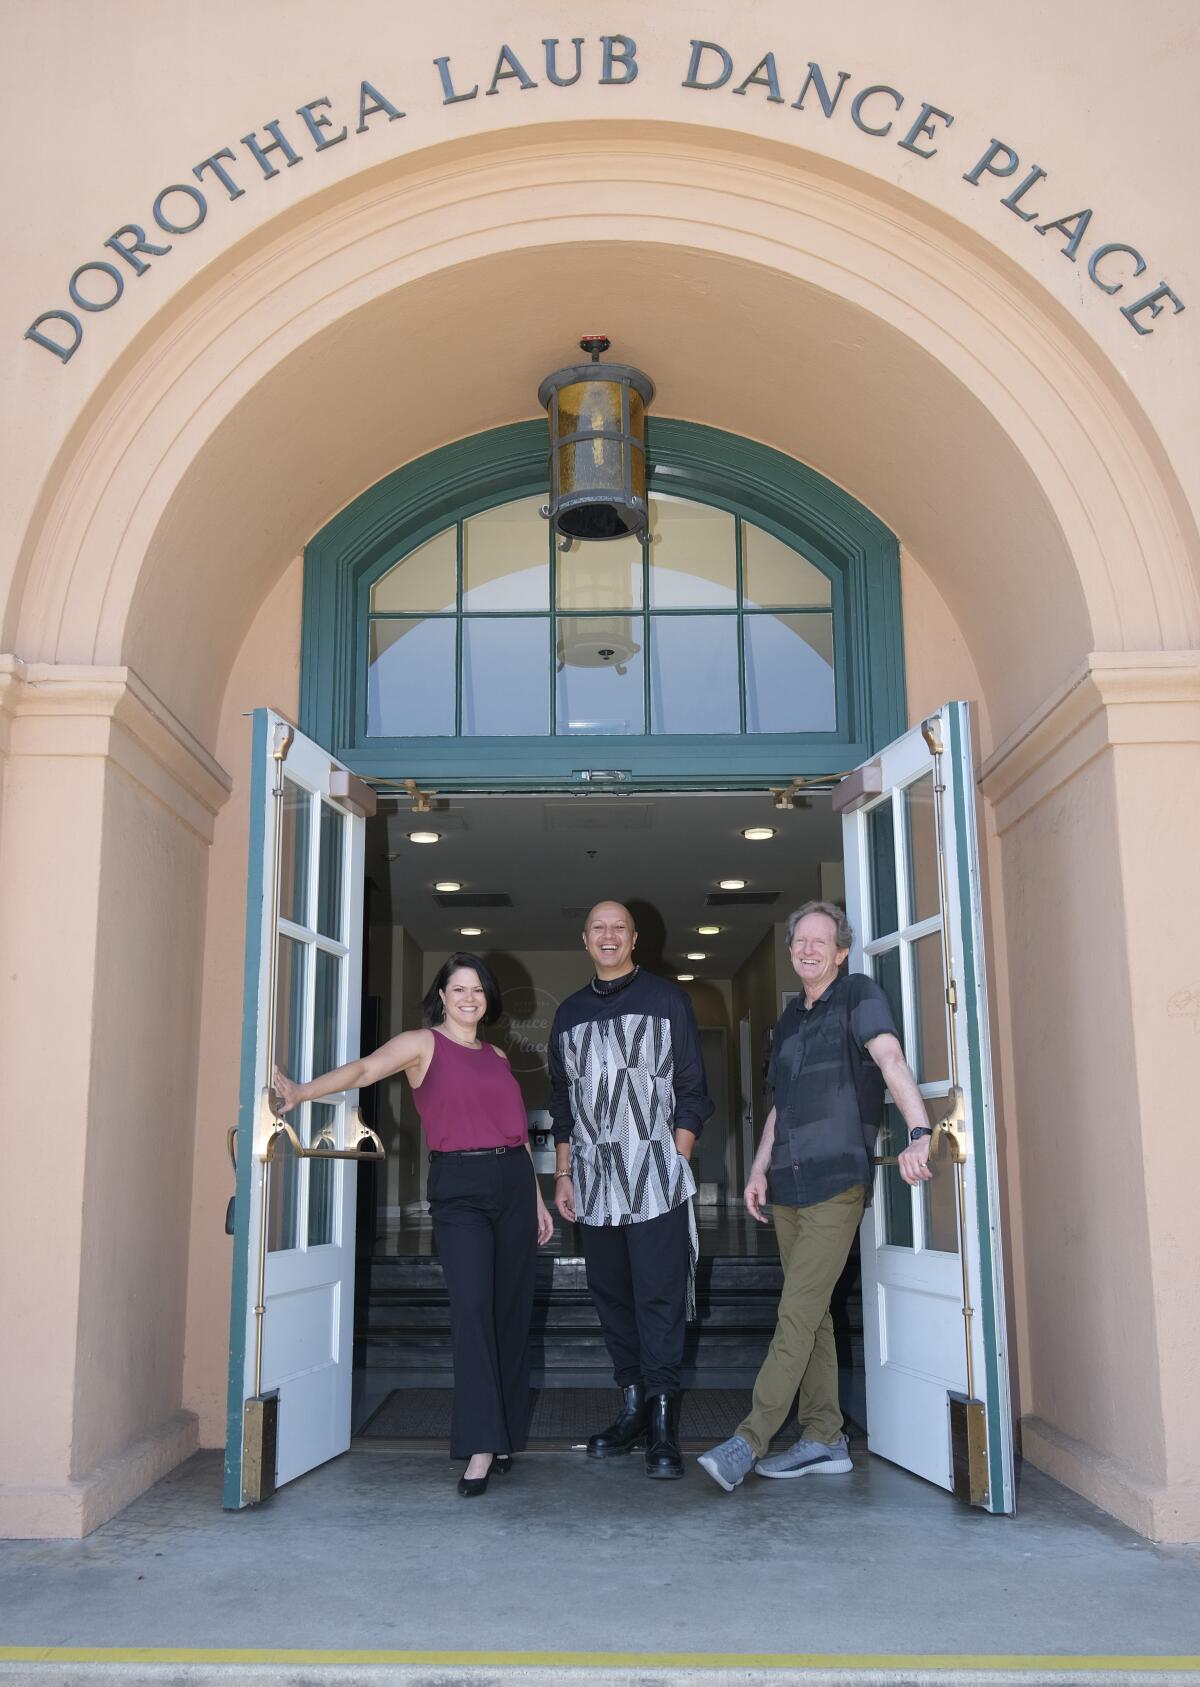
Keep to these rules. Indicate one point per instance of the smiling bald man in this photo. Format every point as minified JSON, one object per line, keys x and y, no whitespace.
{"x":628,"y":1100}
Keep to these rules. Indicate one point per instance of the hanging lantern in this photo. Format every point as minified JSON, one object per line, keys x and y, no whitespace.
{"x":597,"y":415}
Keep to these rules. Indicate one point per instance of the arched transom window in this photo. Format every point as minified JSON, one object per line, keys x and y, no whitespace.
{"x":448,"y":639}
{"x":490,"y":630}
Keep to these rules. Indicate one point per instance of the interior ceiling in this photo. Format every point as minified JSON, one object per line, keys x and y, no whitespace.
{"x":555,"y":856}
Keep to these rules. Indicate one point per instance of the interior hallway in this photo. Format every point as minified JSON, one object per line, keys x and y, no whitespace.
{"x":375,"y":1552}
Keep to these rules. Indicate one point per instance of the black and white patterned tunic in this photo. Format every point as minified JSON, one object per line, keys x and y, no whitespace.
{"x":626,"y":1072}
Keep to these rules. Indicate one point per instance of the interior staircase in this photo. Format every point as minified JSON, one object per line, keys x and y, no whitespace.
{"x":403,"y":1324}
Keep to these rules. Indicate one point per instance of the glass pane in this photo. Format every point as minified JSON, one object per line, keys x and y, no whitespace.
{"x":694,"y":674}
{"x":789,"y":673}
{"x":284,"y":1203}
{"x":330,"y":873}
{"x":423,"y":583}
{"x":894,"y":1195}
{"x":775,"y":576}
{"x":924,"y":899}
{"x":326,"y":1013}
{"x":886,"y":968}
{"x":600,"y":576}
{"x":693,"y":556}
{"x":926,"y":1049}
{"x":600,"y":675}
{"x":881,"y":852}
{"x":506,"y":677}
{"x":410,"y":682}
{"x":293,"y":865}
{"x":322,"y":1175}
{"x":939,"y":1197}
{"x":506,"y":558}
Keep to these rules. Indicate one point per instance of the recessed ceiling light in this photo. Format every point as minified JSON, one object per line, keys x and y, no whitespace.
{"x":708,"y":931}
{"x":424,"y":837}
{"x":447,"y":884}
{"x":685,"y":977}
{"x":732,"y":884}
{"x":695,"y":955}
{"x":757,"y":834}
{"x":470,"y":931}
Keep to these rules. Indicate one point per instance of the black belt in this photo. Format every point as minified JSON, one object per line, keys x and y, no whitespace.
{"x":462,"y":1153}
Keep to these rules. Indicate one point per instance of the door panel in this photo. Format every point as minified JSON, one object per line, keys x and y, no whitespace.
{"x":917,"y":918}
{"x":291,"y":1324}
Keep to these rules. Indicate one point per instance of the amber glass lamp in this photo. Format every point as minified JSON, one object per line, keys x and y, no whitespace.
{"x":597,"y":414}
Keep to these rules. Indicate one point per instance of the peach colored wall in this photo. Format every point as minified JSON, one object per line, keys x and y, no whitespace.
{"x":40,"y":1243}
{"x":107,"y":813}
{"x":138,"y":1166}
{"x":860,"y":308}
{"x":1011,"y":393}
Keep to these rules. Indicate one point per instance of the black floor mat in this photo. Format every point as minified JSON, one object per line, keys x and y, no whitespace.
{"x":561,"y":1417}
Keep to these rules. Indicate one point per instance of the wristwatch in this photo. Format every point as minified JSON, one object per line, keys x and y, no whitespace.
{"x":920,"y":1131}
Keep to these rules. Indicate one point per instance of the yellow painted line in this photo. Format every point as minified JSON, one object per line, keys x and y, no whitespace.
{"x":1052,"y":1662}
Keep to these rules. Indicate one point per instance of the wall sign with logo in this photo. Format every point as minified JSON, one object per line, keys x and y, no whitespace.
{"x":876,"y":110}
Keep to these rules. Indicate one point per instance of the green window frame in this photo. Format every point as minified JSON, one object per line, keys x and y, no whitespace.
{"x":856,"y":553}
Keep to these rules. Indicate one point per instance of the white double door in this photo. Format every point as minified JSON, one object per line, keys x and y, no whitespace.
{"x":913,"y":897}
{"x":291,"y":1330}
{"x":915,"y":907}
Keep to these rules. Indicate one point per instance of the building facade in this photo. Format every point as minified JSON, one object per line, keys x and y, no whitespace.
{"x":936,"y":266}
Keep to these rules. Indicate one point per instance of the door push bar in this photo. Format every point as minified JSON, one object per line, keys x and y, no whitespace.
{"x":366,"y":1145}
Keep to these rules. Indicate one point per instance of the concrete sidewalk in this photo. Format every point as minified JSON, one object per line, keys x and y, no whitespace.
{"x":372,"y":1569}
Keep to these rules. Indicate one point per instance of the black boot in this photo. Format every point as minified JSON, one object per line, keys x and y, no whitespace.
{"x":663,"y":1457}
{"x":627,"y":1430}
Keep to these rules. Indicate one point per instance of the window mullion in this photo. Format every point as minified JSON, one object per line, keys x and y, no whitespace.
{"x":741,"y":632}
{"x":647,"y":716}
{"x":552,"y":541}
{"x":459,"y":560}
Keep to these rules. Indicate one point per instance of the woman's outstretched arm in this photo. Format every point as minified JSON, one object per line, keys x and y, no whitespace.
{"x":400,"y":1054}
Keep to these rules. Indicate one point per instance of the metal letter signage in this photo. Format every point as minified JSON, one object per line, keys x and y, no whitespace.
{"x":97,"y":285}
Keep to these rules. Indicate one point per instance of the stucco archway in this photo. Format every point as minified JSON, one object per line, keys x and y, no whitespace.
{"x":772,"y":294}
{"x":769,"y":294}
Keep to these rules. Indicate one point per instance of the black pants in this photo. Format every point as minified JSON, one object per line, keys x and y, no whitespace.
{"x":484,"y":1209}
{"x":637,"y":1274}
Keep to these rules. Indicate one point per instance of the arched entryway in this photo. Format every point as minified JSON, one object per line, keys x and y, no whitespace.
{"x":839,"y":325}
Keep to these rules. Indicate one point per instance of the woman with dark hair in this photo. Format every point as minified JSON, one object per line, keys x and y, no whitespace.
{"x":488,"y":1213}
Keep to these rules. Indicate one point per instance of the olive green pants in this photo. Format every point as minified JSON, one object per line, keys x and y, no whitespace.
{"x":813,"y":1245}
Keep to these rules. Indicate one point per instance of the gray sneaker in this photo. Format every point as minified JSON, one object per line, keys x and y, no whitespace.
{"x":729,"y":1463}
{"x":808,"y":1458}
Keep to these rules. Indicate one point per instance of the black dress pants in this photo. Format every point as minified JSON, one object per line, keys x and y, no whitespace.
{"x":637,"y":1274}
{"x":484,"y":1210}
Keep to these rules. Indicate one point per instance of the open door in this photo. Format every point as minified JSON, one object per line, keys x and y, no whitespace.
{"x":933,"y":1293}
{"x":291,"y":1324}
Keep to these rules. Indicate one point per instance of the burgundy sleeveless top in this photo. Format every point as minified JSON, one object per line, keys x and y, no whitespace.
{"x":469,"y":1099}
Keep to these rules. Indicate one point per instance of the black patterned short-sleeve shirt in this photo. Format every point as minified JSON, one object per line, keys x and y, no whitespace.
{"x":828,"y":1092}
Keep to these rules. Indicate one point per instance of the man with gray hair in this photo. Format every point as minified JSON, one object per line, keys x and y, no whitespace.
{"x":834,"y":1050}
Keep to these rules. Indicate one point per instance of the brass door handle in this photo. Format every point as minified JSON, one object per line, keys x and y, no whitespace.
{"x":949,"y":1126}
{"x":314,"y":1151}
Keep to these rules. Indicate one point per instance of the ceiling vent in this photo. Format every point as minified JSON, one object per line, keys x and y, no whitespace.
{"x":474,"y":899}
{"x":742,"y":898}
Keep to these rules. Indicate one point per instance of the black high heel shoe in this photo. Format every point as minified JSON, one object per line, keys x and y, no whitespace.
{"x":502,"y":1463}
{"x":471,"y":1487}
